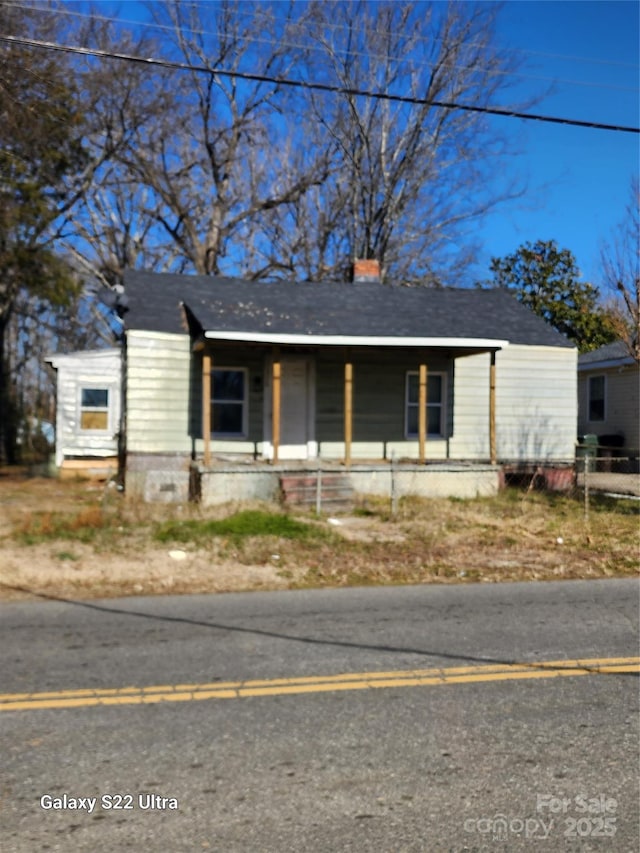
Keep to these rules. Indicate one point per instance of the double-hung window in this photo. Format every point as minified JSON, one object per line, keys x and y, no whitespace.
{"x":94,"y":409}
{"x":436,"y":407}
{"x":597,"y":389}
{"x":229,"y":414}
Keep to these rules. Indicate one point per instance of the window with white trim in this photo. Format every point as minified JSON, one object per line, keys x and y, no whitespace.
{"x":94,"y":409}
{"x":436,"y":404}
{"x":229,"y":408}
{"x":597,"y":402}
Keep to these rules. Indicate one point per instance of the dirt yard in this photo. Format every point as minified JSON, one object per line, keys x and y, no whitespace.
{"x":78,"y":539}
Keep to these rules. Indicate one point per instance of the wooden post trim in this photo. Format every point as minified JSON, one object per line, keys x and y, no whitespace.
{"x":493,"y":456}
{"x":422,"y":413}
{"x":276,"y":404}
{"x":348,"y":410}
{"x":207,"y":366}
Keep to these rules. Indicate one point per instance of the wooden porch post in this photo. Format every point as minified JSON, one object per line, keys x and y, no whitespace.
{"x":493,"y":456}
{"x":206,"y":406}
{"x":422,"y":412}
{"x":277,"y":393}
{"x":348,"y":409}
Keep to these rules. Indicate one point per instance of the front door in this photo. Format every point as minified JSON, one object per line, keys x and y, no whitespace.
{"x":297,"y":408}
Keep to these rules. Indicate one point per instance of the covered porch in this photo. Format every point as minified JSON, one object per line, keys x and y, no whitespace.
{"x":305,"y":401}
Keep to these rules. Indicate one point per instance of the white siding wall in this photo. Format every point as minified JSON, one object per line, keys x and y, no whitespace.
{"x":158,"y":374}
{"x":536,"y":401}
{"x":470,"y":439}
{"x":536,"y":404}
{"x":622,"y":408}
{"x":100,"y":369}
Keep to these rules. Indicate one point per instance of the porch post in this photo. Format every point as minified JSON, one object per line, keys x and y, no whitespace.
{"x":275,"y":423}
{"x":493,"y":456}
{"x":422,"y":412}
{"x":206,"y":406}
{"x":348,"y":409}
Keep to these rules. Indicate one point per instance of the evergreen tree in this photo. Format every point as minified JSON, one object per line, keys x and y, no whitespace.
{"x":547,"y":280}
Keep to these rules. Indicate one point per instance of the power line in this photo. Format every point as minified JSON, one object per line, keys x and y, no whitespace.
{"x":320,"y":87}
{"x":154,"y":25}
{"x":296,"y":25}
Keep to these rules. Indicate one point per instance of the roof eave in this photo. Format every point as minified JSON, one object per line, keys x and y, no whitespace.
{"x":482,"y":344}
{"x":604,"y":365}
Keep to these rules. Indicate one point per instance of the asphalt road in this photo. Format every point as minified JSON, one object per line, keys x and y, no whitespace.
{"x":434,"y":718}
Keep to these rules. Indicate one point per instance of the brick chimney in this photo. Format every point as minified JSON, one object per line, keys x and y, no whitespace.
{"x":366,"y":271}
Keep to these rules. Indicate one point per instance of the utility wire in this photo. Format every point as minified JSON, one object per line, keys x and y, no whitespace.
{"x":254,"y":13}
{"x":297,"y":26}
{"x":320,"y":87}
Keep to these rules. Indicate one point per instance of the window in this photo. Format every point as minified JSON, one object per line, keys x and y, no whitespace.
{"x":94,"y":409}
{"x":596,"y":398}
{"x":435,"y":404}
{"x":229,"y":402}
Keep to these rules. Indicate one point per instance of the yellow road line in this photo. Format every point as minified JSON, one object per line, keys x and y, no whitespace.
{"x":315,"y":684}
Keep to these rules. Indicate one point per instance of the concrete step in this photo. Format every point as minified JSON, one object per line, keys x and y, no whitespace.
{"x":336,"y":491}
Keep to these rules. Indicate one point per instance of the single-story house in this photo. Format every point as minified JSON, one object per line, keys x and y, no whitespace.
{"x":217,"y":373}
{"x":609,"y":397}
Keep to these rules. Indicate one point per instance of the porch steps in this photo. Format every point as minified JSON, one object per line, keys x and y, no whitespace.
{"x":336,"y":491}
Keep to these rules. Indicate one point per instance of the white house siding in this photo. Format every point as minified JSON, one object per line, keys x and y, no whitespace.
{"x":158,"y":388}
{"x":622,"y":414}
{"x":536,"y":405}
{"x":99,"y":369}
{"x":536,"y":401}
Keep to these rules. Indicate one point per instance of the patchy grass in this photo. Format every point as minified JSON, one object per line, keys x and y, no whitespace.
{"x":66,"y":555}
{"x":513,"y":536}
{"x":87,"y":540}
{"x":241,"y":525}
{"x":79,"y":527}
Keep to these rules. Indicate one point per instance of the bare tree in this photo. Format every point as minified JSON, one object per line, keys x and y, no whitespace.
{"x":620,"y":259}
{"x":407,"y":179}
{"x":214,"y":173}
{"x":209,"y":150}
{"x":112,"y":228}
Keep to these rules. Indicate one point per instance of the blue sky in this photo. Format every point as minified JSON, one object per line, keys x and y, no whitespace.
{"x":585,"y":56}
{"x":578,"y":179}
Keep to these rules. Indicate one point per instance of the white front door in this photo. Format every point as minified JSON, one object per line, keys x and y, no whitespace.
{"x":297,"y":409}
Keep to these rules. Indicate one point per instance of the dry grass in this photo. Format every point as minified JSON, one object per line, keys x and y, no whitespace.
{"x":79,"y":539}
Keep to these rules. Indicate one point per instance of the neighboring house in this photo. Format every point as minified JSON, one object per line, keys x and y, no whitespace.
{"x":223,"y":371}
{"x":87,"y":411}
{"x":609,"y":397}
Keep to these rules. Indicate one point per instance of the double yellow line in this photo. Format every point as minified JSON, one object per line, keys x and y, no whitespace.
{"x":315,"y":684}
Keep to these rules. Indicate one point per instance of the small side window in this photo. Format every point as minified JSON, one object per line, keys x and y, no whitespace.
{"x":597,"y":388}
{"x":94,"y":409}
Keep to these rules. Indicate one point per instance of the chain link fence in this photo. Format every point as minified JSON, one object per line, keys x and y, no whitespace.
{"x":596,"y":478}
{"x":594,"y":473}
{"x":606,"y":471}
{"x":614,"y":476}
{"x":597,"y":472}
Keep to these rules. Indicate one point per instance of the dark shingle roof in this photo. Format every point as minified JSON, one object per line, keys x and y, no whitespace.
{"x":354,"y":310}
{"x":608,"y":352}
